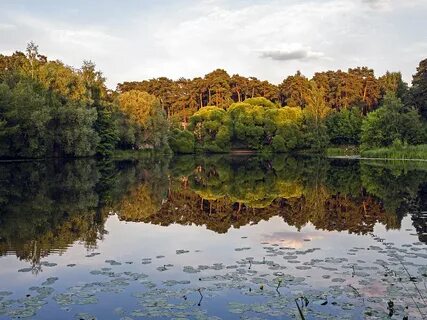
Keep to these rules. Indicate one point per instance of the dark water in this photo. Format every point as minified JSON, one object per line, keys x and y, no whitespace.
{"x":213,"y":238}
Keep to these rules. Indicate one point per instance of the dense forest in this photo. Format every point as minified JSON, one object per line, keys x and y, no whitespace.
{"x":49,"y":109}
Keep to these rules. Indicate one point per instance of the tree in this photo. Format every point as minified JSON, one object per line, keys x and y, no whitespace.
{"x":279,"y":144}
{"x":137,"y":105}
{"x":261,"y":101}
{"x":73,"y":127}
{"x":238,"y":85}
{"x":294,"y":90}
{"x":94,"y":82}
{"x":32,"y":53}
{"x":418,"y":90}
{"x":393,"y":82}
{"x":315,"y":112}
{"x":390,"y":123}
{"x":248,"y":124}
{"x":144,"y":110}
{"x":182,"y":141}
{"x":366,"y":87}
{"x":25,"y":117}
{"x":344,"y":127}
{"x":211,"y":128}
{"x":63,"y":80}
{"x":107,"y":129}
{"x":316,"y":106}
{"x":219,"y":93}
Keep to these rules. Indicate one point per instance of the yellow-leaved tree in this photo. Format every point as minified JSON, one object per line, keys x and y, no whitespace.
{"x":138,"y":105}
{"x":147,"y":116}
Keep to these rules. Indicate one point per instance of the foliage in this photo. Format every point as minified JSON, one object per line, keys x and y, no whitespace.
{"x":418,"y":92}
{"x":107,"y":129}
{"x":314,"y":135}
{"x":398,"y":150}
{"x":74,"y":135}
{"x":314,"y":129}
{"x":344,"y":127}
{"x":26,"y":116}
{"x":264,"y":127}
{"x":49,"y":109}
{"x":212,"y":129}
{"x":145,"y":114}
{"x":354,"y":88}
{"x":182,"y":141}
{"x":294,"y":90}
{"x":390,"y":123}
{"x":393,"y":82}
{"x":260,"y":101}
{"x":357,"y":87}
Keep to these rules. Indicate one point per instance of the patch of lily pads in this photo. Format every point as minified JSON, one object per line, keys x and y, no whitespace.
{"x":283,"y":282}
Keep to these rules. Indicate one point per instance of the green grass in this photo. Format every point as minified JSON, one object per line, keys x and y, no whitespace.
{"x":342,"y":151}
{"x":398,"y":152}
{"x":133,"y":154}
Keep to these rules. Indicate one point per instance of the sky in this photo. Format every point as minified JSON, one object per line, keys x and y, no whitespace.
{"x":133,"y":40}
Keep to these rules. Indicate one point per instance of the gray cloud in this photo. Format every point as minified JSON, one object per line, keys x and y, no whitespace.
{"x":293,"y":54}
{"x":377,"y":4}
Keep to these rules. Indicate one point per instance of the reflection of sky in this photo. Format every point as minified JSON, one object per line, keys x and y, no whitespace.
{"x":295,"y":240}
{"x":135,"y":241}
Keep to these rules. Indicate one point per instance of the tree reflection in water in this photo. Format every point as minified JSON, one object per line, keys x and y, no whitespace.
{"x":47,"y":206}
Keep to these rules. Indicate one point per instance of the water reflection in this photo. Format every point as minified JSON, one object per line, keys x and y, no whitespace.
{"x":47,"y":206}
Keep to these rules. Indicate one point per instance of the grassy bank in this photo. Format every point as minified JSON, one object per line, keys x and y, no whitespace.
{"x":398,"y":152}
{"x":137,"y":154}
{"x":342,"y":151}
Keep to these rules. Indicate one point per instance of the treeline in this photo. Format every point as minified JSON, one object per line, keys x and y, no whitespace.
{"x":48,"y":109}
{"x":220,"y":112}
{"x":356,"y":88}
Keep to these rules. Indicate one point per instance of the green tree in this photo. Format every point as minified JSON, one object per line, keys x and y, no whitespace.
{"x":182,"y":141}
{"x":106,"y":127}
{"x":25,"y":115}
{"x":392,"y":122}
{"x":393,"y":82}
{"x":418,"y":92}
{"x":294,"y":90}
{"x":146,"y":115}
{"x":219,"y":92}
{"x":344,"y":127}
{"x":314,"y":128}
{"x":212,"y":129}
{"x":73,"y":127}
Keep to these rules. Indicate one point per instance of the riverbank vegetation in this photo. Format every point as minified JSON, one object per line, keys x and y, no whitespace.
{"x":49,"y":109}
{"x":398,"y":151}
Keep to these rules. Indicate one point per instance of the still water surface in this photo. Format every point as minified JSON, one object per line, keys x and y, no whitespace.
{"x":215,"y":237}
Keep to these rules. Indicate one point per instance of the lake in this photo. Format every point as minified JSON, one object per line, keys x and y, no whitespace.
{"x":213,"y":237}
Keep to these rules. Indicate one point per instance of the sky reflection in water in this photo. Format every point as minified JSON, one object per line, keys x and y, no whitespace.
{"x":268,"y":231}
